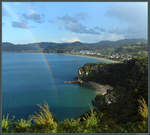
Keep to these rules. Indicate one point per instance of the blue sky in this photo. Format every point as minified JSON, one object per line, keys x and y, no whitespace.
{"x":29,"y":22}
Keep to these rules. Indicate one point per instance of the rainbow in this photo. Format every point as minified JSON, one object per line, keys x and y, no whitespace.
{"x":12,"y":12}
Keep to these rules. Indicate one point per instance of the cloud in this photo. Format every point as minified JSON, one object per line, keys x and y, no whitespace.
{"x":70,"y":40}
{"x":115,"y":37}
{"x":72,"y":24}
{"x":96,"y":38}
{"x":100,"y":29}
{"x":133,"y":15}
{"x":33,"y":16}
{"x":19,"y":25}
{"x":129,"y":12}
{"x":129,"y":32}
{"x":65,"y":40}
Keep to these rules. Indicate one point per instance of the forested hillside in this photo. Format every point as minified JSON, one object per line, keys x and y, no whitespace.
{"x":129,"y":81}
{"x":109,"y":49}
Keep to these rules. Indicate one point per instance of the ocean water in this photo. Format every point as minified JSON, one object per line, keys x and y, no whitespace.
{"x":29,"y":79}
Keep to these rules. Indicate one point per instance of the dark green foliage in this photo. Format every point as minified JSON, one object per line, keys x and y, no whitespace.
{"x":99,"y":102}
{"x":131,"y":75}
{"x":89,"y":124}
{"x":69,"y":126}
{"x":21,"y":125}
{"x":130,"y":82}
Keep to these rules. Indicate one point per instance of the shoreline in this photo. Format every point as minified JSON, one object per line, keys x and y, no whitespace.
{"x":94,"y":57}
{"x":100,"y":88}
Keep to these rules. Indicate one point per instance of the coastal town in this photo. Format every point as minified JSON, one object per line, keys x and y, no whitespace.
{"x":112,"y":56}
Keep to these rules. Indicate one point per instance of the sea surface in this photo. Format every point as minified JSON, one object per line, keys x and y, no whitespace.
{"x":29,"y":79}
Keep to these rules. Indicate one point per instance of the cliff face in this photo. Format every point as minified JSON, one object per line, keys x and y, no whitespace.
{"x":97,"y":72}
{"x":127,"y":74}
{"x":89,"y":71}
{"x":129,"y":77}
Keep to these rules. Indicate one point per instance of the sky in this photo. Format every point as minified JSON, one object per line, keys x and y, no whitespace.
{"x":89,"y":22}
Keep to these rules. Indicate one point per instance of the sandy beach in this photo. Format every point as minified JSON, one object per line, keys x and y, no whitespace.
{"x":100,"y":88}
{"x":94,"y":57}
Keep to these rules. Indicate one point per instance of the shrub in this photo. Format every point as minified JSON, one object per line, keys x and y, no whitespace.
{"x":88,"y":124}
{"x":44,"y":120}
{"x":69,"y":126}
{"x":91,"y":123}
{"x":143,"y":108}
{"x":22,"y":126}
{"x":6,"y":123}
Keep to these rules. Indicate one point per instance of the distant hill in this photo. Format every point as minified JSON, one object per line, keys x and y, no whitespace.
{"x":61,"y":47}
{"x":122,"y":42}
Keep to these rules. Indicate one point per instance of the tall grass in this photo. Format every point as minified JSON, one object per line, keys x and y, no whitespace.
{"x":143,"y":108}
{"x":143,"y":111}
{"x":92,"y":122}
{"x":44,"y":119}
{"x":5,"y":123}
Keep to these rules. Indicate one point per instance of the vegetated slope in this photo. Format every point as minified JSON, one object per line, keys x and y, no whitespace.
{"x":104,"y":47}
{"x":130,"y":83}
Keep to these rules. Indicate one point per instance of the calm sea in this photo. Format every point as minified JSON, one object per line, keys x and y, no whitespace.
{"x":29,"y":79}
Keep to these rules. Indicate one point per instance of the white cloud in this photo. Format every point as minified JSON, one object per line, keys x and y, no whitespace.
{"x":134,"y":15}
{"x":114,"y":37}
{"x":70,"y":40}
{"x":72,"y":23}
{"x":96,"y":38}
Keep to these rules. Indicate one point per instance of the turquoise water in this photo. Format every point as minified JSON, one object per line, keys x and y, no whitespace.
{"x":29,"y":79}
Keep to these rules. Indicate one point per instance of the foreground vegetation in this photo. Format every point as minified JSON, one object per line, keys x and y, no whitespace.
{"x":92,"y":122}
{"x":123,"y":109}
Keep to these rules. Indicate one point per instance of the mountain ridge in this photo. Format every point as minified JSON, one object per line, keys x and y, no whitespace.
{"x":69,"y":47}
{"x":78,"y":42}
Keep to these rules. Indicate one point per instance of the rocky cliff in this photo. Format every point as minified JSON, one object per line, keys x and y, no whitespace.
{"x":96,"y":72}
{"x":127,"y":78}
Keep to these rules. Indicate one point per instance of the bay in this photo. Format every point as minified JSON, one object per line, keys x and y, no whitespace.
{"x":29,"y":79}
